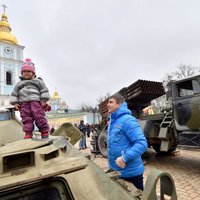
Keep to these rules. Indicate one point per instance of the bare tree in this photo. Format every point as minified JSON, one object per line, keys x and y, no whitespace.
{"x":181,"y":72}
{"x":186,"y":70}
{"x":103,"y":98}
{"x":85,"y":108}
{"x":167,"y":78}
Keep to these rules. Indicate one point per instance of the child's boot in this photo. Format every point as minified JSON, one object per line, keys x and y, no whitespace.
{"x":45,"y":134}
{"x":28,"y":135}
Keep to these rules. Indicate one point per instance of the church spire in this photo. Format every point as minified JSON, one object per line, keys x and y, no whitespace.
{"x":5,"y":29}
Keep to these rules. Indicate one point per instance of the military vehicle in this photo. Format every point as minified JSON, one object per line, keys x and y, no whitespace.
{"x":53,"y":169}
{"x":10,"y":126}
{"x":177,"y":124}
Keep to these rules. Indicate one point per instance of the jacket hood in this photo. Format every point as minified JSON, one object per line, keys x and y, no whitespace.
{"x":122,"y":110}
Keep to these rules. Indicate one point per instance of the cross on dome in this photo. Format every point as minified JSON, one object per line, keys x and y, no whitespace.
{"x":4,"y":7}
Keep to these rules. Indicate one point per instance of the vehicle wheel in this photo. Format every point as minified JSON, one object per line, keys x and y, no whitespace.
{"x":102,"y":142}
{"x":148,"y":128}
{"x":156,"y":147}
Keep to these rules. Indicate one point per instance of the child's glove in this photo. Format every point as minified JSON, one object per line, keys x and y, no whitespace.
{"x":47,"y":107}
{"x":17,"y":106}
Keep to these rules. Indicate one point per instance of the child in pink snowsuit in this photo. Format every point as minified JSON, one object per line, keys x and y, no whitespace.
{"x":29,"y":97}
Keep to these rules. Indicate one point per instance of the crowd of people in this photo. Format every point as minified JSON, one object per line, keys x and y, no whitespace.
{"x":86,"y":129}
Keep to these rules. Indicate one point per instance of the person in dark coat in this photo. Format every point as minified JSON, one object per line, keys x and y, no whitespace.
{"x":82,"y":128}
{"x":88,"y":130}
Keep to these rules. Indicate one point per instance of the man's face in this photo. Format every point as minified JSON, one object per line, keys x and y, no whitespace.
{"x":112,"y":105}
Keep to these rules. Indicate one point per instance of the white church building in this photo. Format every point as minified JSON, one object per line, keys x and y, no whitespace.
{"x":11,"y":59}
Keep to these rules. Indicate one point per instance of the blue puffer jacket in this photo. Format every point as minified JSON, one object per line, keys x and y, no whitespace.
{"x":126,"y":138}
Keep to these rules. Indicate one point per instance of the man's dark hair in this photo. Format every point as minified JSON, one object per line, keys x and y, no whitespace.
{"x":118,"y":97}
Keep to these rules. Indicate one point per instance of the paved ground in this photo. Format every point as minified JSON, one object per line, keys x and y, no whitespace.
{"x":184,"y":168}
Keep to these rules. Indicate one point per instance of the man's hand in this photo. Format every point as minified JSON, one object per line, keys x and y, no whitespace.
{"x":120,"y":163}
{"x":17,"y":106}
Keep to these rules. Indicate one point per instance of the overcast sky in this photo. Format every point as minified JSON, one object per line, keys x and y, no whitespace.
{"x":87,"y":48}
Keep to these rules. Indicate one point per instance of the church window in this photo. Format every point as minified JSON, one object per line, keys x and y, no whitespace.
{"x":8,"y":78}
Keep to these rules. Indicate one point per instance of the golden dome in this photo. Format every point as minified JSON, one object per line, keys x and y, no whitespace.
{"x":5,"y":31}
{"x":56,"y":95}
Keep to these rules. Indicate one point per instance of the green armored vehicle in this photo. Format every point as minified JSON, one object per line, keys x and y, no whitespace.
{"x":178,"y":124}
{"x":53,"y":169}
{"x":10,"y":126}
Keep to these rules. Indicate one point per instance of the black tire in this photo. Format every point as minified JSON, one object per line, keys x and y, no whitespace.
{"x":156,"y":147}
{"x":148,"y":127}
{"x":102,"y":142}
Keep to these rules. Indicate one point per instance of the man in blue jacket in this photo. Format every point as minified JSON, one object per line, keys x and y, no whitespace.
{"x":126,"y":142}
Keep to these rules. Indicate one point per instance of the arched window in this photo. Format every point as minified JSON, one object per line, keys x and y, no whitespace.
{"x":8,"y":78}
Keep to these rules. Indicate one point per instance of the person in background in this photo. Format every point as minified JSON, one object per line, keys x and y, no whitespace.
{"x":30,"y":96}
{"x":52,"y":130}
{"x":88,"y":130}
{"x":126,"y":142}
{"x":82,"y":128}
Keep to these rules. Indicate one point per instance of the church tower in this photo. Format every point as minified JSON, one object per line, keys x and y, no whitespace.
{"x":57,"y":106}
{"x":11,"y":58}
